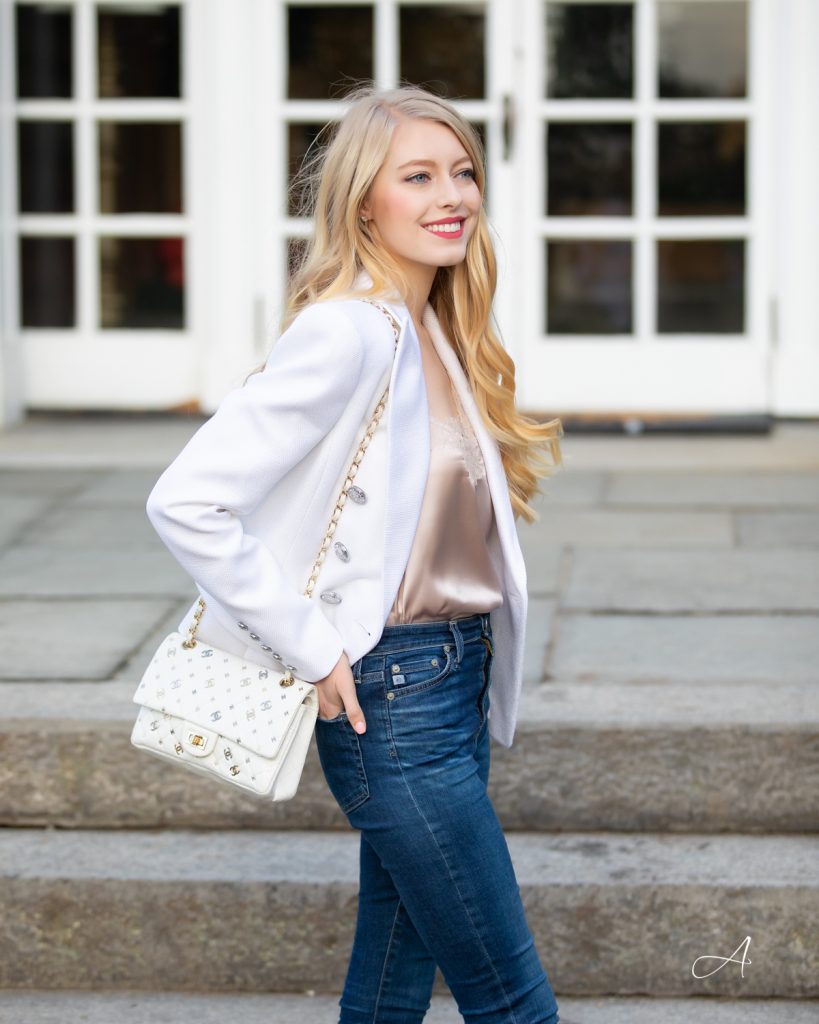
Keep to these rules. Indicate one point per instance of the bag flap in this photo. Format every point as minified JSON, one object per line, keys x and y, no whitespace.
{"x":223,"y":695}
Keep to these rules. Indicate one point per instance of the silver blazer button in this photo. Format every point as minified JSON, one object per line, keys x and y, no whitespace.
{"x":356,"y":493}
{"x":341,"y":551}
{"x":331,"y":597}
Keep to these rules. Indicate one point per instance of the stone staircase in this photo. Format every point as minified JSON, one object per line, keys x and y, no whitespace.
{"x":660,"y":801}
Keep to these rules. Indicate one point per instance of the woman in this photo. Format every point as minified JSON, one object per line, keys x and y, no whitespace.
{"x":423,"y":599}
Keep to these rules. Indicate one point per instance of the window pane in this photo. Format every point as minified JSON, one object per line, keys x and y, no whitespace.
{"x":589,"y":169}
{"x":701,"y":286}
{"x":326,"y":46}
{"x":588,"y":287}
{"x":47,"y":282}
{"x":138,"y":51}
{"x":140,"y":167}
{"x":589,"y":51}
{"x":701,"y":168}
{"x":44,"y":65}
{"x":142,"y":282}
{"x":703,"y":49}
{"x":45,"y":152}
{"x":443,"y":48}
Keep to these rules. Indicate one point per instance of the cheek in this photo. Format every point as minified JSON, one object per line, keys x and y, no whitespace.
{"x":400,"y":210}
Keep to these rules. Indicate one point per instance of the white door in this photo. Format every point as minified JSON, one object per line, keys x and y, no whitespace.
{"x":99,"y":283}
{"x":628,"y":150}
{"x":643,"y":150}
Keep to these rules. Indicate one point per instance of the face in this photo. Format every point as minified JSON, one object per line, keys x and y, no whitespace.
{"x":423,"y":204}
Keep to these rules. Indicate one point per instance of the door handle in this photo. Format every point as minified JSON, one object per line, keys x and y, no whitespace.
{"x":508,"y":125}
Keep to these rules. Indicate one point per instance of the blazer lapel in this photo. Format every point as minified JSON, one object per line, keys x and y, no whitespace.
{"x":408,"y":454}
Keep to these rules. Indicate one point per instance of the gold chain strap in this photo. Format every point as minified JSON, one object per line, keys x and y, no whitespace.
{"x":342,"y":498}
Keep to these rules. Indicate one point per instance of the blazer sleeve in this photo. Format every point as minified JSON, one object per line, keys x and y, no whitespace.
{"x":258,"y":433}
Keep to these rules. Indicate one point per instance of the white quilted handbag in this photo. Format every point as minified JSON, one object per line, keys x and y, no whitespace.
{"x":229,"y":718}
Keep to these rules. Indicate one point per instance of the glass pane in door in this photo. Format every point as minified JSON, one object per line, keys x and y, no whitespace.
{"x":140,"y":166}
{"x":443,"y":48}
{"x":588,"y":287}
{"x":138,"y":50}
{"x":142,"y":282}
{"x":47,"y":269}
{"x":701,"y":286}
{"x":589,"y":168}
{"x":703,"y":49}
{"x":44,"y":51}
{"x":701,"y":168}
{"x":327,"y":45}
{"x":589,"y":50}
{"x":45,"y":166}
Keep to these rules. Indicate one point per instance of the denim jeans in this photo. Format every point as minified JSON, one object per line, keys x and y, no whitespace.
{"x":437,"y":884}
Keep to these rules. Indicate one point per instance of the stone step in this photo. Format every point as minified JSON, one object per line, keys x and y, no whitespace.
{"x":134,"y":1007}
{"x":587,"y":756}
{"x":613,"y":914}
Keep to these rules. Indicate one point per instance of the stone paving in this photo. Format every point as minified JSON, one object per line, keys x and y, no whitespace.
{"x":670,"y":699}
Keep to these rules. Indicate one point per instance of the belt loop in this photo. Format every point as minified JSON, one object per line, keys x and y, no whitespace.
{"x":459,"y":640}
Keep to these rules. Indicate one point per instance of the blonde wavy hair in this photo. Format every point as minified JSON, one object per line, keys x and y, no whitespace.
{"x":332,"y":184}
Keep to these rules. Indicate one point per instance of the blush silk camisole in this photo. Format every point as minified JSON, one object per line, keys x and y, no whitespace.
{"x":449,"y":573}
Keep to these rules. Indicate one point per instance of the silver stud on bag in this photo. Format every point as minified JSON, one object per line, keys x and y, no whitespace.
{"x":357,"y":494}
{"x":341,"y":550}
{"x":331,"y":597}
{"x":241,"y":625}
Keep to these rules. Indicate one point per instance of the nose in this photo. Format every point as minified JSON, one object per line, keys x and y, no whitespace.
{"x":449,"y":194}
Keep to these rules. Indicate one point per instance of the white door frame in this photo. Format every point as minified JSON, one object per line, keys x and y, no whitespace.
{"x":644,"y":372}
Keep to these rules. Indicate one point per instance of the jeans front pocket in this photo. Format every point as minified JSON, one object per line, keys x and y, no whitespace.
{"x":483,"y":696}
{"x":341,"y":760}
{"x":416,"y":669}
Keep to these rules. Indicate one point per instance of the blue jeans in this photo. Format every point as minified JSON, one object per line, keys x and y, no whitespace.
{"x":437,"y":884}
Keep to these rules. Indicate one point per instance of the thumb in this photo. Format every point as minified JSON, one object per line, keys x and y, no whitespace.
{"x":354,"y":714}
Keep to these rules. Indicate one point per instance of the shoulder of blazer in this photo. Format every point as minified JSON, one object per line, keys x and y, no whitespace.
{"x":373,"y":328}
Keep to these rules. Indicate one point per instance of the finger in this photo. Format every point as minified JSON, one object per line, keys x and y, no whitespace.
{"x":354,"y":713}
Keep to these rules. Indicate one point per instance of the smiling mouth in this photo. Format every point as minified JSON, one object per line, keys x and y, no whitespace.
{"x":453,"y":229}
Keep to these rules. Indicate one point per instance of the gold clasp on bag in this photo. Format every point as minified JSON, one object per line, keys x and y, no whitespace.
{"x":196,"y":741}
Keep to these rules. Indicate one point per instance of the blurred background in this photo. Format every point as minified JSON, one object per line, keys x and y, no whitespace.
{"x":652,"y":169}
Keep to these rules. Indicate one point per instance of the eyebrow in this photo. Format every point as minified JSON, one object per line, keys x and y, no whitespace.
{"x":432,"y":163}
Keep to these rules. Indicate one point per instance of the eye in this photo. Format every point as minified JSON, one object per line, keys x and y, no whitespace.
{"x":468,"y":172}
{"x":420,"y":174}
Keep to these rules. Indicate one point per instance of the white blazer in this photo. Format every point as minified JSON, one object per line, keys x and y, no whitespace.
{"x":245,"y":505}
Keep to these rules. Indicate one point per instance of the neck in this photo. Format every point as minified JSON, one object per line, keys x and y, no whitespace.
{"x":420,"y":279}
